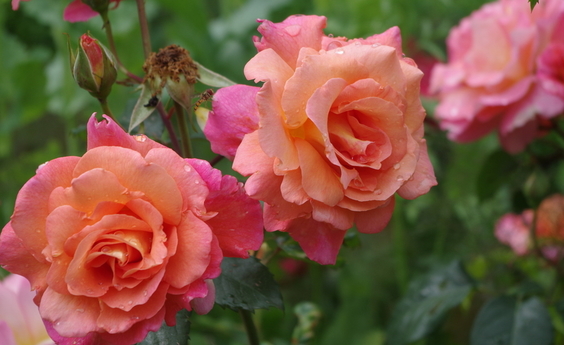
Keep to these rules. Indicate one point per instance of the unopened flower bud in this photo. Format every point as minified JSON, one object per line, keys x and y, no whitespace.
{"x":172,"y":68}
{"x":93,"y":67}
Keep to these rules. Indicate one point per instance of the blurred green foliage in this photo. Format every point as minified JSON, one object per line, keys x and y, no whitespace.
{"x":43,"y":115}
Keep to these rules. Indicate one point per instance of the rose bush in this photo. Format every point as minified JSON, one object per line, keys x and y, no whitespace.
{"x":504,"y":72}
{"x":20,"y":322}
{"x":76,"y":11}
{"x":339,"y":132}
{"x":123,"y":237}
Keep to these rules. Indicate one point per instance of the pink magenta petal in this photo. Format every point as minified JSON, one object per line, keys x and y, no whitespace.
{"x":6,"y":335}
{"x":109,"y":133}
{"x":320,"y":241}
{"x":340,"y":218}
{"x":238,"y":224}
{"x":205,"y":304}
{"x":17,"y":259}
{"x":288,"y":37}
{"x":234,"y":114}
{"x":373,"y":221}
{"x":77,"y":11}
{"x":194,"y":246}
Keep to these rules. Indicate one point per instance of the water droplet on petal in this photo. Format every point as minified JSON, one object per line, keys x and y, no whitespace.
{"x":378,"y":191}
{"x":145,"y":293}
{"x":134,"y":318}
{"x":339,"y":51}
{"x":293,"y":30}
{"x":80,"y":310}
{"x":130,"y":302}
{"x":334,"y":44}
{"x":397,"y":166}
{"x":140,"y":138}
{"x":330,"y":35}
{"x":188,"y":168}
{"x":374,"y":45}
{"x":400,"y":178}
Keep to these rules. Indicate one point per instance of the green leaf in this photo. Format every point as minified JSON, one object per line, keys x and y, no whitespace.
{"x":246,"y":284}
{"x":426,"y":303}
{"x":510,"y":321}
{"x":176,"y":335}
{"x":308,"y":317}
{"x":143,"y":108}
{"x":494,"y":173}
{"x":211,"y":78}
{"x":533,"y":3}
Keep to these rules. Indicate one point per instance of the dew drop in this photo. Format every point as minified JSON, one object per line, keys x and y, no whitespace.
{"x":378,"y":191}
{"x":334,"y":44}
{"x":89,"y":292}
{"x":121,"y":306}
{"x":80,"y":310}
{"x":130,"y":302}
{"x":134,"y":318}
{"x":339,"y":51}
{"x":397,"y":166}
{"x":196,"y":182}
{"x":145,"y":293}
{"x":58,"y":323}
{"x":400,"y":178}
{"x":330,"y":35}
{"x":357,"y":43}
{"x":188,"y":168}
{"x":140,"y":138}
{"x":374,"y":45}
{"x":293,"y":30}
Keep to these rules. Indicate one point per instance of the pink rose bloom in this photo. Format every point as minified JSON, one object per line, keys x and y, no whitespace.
{"x":20,"y":322}
{"x":120,"y":239}
{"x":514,"y":230}
{"x":76,"y":11}
{"x":493,"y":79}
{"x":339,"y":132}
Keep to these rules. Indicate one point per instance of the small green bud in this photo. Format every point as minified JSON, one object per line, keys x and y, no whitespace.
{"x":93,"y":67}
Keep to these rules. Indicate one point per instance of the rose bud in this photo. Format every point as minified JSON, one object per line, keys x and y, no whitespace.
{"x":94,"y":67}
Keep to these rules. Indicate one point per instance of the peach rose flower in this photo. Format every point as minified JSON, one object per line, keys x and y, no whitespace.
{"x":120,"y":239}
{"x":339,"y":133}
{"x":492,"y":80}
{"x":20,"y":322}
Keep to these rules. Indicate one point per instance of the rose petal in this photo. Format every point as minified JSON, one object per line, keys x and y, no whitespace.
{"x":77,"y":11}
{"x":320,"y":241}
{"x":373,"y":221}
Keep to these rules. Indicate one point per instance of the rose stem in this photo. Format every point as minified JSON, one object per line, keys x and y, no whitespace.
{"x":400,"y":249}
{"x":186,"y":147}
{"x":144,"y":28}
{"x":112,"y":44}
{"x":169,"y":128}
{"x":250,"y":327}
{"x":106,"y":108}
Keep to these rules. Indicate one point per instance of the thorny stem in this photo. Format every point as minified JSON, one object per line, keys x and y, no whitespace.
{"x":144,"y":28}
{"x":183,"y":126}
{"x":112,"y":44}
{"x":250,"y":327}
